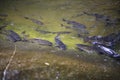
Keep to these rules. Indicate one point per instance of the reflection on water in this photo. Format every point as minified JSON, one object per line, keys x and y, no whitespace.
{"x":44,"y":19}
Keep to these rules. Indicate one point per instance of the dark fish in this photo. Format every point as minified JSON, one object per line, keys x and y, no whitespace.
{"x":78,"y":27}
{"x":77,"y":15}
{"x":41,"y":41}
{"x":2,"y":19}
{"x":110,"y":40}
{"x":3,"y":15}
{"x":35,"y":21}
{"x":106,"y":19}
{"x":13,"y":36}
{"x":75,"y":24}
{"x":67,"y":27}
{"x":62,"y":32}
{"x":59,"y":43}
{"x":110,"y":37}
{"x":59,"y":32}
{"x":3,"y":26}
{"x":97,"y":16}
{"x":91,"y":39}
{"x":25,"y":36}
{"x":43,"y":31}
{"x":86,"y":48}
{"x":117,"y":38}
{"x":107,"y":51}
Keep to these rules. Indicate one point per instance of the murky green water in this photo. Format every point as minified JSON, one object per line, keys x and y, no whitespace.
{"x":36,"y":62}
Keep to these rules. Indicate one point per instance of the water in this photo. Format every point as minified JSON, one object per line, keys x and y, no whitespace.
{"x":37,"y":62}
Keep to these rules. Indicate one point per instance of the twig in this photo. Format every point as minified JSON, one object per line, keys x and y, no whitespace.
{"x":6,"y":68}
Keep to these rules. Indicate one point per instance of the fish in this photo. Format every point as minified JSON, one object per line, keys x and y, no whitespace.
{"x":40,"y":41}
{"x":78,"y":27}
{"x":13,"y":36}
{"x":2,"y":19}
{"x":85,"y":48}
{"x":104,"y":18}
{"x":110,"y":40}
{"x":75,"y":24}
{"x":117,"y":38}
{"x":92,"y":39}
{"x":98,"y":16}
{"x":3,"y":15}
{"x":48,"y":32}
{"x":3,"y":26}
{"x":107,"y":51}
{"x":43,"y":31}
{"x":40,"y":23}
{"x":59,"y":43}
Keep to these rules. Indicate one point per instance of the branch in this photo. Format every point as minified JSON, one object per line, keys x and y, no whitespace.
{"x":6,"y":68}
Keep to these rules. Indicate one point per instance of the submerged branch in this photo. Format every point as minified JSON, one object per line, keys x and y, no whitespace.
{"x":6,"y":68}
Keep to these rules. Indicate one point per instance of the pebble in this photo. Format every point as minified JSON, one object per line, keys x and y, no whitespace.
{"x":105,"y":60}
{"x":47,"y":64}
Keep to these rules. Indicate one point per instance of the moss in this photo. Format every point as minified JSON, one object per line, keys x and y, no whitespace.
{"x":51,"y":13}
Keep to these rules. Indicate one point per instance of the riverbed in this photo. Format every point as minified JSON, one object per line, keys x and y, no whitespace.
{"x":40,"y":62}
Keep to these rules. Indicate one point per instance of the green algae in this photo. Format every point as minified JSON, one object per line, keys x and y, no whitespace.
{"x":52,"y":17}
{"x":37,"y":62}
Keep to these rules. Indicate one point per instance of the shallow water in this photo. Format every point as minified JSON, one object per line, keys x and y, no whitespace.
{"x":37,"y":62}
{"x":51,"y":14}
{"x":46,"y":63}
